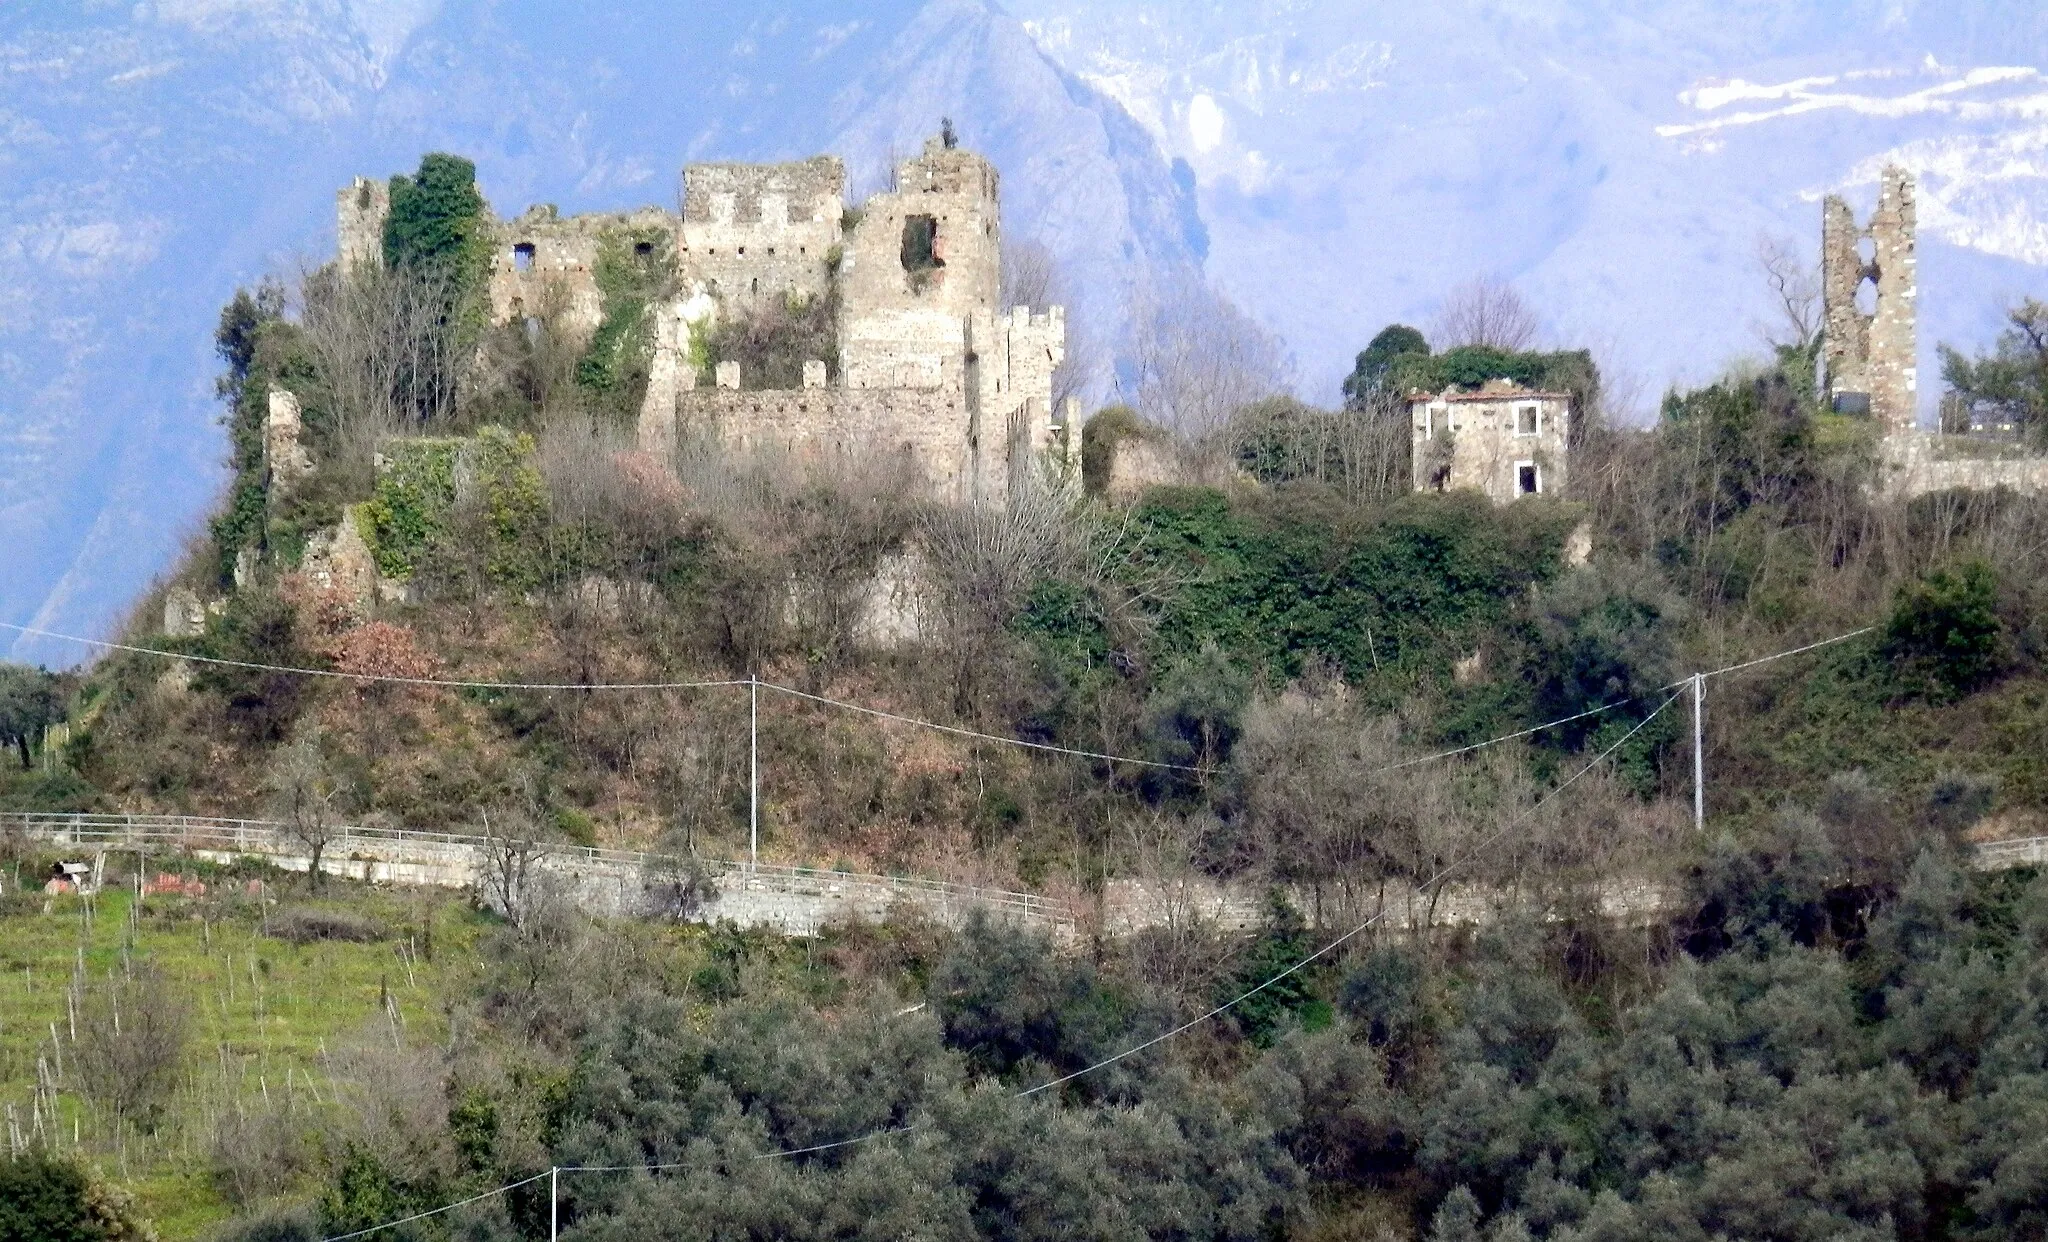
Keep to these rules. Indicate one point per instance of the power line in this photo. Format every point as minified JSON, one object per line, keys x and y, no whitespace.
{"x":990,"y":737}
{"x":444,"y":683}
{"x":1183,"y":1028}
{"x":447,"y":1207}
{"x":1442,"y":872}
{"x":1825,"y":642}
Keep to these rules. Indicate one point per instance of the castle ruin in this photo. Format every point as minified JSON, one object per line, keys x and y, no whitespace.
{"x":928,"y":361}
{"x":1870,"y":358}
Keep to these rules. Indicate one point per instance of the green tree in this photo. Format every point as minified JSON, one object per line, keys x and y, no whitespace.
{"x":1375,"y":363}
{"x":29,"y":703}
{"x":1945,"y":637}
{"x":2013,"y":378}
{"x":438,"y":219}
{"x":45,"y":1198}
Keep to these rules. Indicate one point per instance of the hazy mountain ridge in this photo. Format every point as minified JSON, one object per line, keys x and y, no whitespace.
{"x":1618,"y":162}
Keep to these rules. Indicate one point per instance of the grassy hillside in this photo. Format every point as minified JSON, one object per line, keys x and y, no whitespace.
{"x":260,"y":1013}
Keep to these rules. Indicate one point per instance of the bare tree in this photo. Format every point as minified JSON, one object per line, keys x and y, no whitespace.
{"x":1363,"y":450}
{"x":389,"y":344}
{"x":130,"y":1049}
{"x":1198,"y":358}
{"x":1486,"y":312}
{"x":305,"y":795}
{"x":1033,"y":277}
{"x":513,"y":844}
{"x":1794,"y":281}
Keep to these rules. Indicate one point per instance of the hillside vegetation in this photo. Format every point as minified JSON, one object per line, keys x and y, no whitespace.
{"x":1819,"y":1024}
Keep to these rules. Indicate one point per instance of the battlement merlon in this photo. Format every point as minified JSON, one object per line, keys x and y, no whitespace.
{"x":809,"y":191}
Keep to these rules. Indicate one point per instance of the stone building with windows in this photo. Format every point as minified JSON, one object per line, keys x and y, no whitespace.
{"x":1502,"y":439}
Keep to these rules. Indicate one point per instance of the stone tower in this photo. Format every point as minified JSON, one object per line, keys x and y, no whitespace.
{"x":924,"y":257}
{"x":359,"y":212}
{"x":1871,"y":358}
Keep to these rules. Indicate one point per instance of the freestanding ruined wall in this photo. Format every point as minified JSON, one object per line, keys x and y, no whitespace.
{"x":1871,"y":358}
{"x":922,"y":259}
{"x":360,"y":208}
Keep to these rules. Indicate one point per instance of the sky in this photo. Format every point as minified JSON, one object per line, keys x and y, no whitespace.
{"x":1330,"y":167}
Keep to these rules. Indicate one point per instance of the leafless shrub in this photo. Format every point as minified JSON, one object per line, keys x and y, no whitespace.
{"x":798,"y":540}
{"x":130,"y":1050}
{"x":258,"y":1149}
{"x":391,"y":1101}
{"x":533,"y":358}
{"x":1362,"y":452}
{"x":1486,"y":312}
{"x":306,"y":924}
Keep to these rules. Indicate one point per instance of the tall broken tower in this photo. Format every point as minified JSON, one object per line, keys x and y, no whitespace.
{"x":1870,"y":357}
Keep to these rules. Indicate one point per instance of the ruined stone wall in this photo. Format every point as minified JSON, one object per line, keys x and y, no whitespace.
{"x":1916,"y":463}
{"x":287,"y":459}
{"x":360,"y":208}
{"x":1486,"y":440}
{"x":894,"y":322}
{"x":1010,"y":396}
{"x":1873,"y":356}
{"x":755,"y":231}
{"x":928,"y":424}
{"x":545,"y":265}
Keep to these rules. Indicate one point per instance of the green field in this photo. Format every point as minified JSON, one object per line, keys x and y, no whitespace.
{"x":261,"y":1011}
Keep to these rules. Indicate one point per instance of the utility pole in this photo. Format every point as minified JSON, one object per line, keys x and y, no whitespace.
{"x":1699,"y":763}
{"x":554,"y":1175}
{"x":753,"y":773}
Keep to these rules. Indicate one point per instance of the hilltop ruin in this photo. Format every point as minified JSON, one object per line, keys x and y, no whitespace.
{"x":1870,"y":357}
{"x":928,"y":362}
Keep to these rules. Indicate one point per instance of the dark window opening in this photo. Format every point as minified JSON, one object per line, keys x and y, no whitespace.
{"x":755,"y":285}
{"x":771,"y":252}
{"x":1525,"y":481}
{"x":643,"y":250}
{"x":920,"y":253}
{"x":522,"y":257}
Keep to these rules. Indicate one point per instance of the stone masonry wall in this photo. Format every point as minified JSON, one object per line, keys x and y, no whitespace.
{"x":755,"y":231}
{"x":893,"y":323}
{"x":928,"y":424}
{"x":1482,"y":440}
{"x":1916,"y":463}
{"x":1873,"y":356}
{"x":544,"y":264}
{"x":360,"y":209}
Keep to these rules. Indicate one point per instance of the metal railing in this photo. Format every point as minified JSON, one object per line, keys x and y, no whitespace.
{"x":259,"y":837}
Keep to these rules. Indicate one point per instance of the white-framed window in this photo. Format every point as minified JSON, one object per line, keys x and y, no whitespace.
{"x":1528,"y":420}
{"x":1528,"y":479}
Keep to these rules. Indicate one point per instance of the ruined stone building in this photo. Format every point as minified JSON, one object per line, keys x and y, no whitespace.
{"x":928,"y":362}
{"x":1870,"y":355}
{"x":1504,"y":440}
